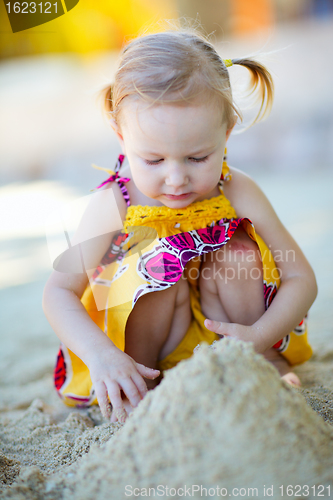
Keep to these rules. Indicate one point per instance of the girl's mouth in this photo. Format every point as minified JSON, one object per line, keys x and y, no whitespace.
{"x":178,"y":197}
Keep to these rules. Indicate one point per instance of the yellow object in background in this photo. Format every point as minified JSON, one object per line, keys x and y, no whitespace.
{"x":88,"y":27}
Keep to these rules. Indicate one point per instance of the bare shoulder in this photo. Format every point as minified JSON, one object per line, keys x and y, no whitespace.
{"x":104,"y":213}
{"x":102,"y":218}
{"x":248,"y":199}
{"x":239,"y":186}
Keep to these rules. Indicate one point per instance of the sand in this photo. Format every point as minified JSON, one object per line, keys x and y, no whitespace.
{"x":222,"y":419}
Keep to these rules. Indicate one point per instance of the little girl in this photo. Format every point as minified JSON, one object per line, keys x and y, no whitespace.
{"x":199,"y":233}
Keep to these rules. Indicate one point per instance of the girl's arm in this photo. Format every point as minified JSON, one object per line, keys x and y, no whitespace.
{"x":110,"y":369}
{"x":298,"y":287}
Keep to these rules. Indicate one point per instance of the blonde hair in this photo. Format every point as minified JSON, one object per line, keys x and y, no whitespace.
{"x":178,"y":65}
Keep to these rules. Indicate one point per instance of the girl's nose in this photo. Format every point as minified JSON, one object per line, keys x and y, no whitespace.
{"x":176,"y":176}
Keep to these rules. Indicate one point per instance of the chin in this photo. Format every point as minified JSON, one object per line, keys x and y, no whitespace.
{"x":178,"y":203}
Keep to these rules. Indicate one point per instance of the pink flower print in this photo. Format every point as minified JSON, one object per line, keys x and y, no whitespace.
{"x":212,"y":235}
{"x":164,"y":267}
{"x":187,"y":255}
{"x":181,"y":241}
{"x":233,"y":225}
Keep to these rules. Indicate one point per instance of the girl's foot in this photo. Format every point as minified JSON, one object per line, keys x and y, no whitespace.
{"x":292,"y":379}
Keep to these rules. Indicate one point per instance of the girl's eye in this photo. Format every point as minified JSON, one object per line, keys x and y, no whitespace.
{"x":196,"y":160}
{"x":155,"y":162}
{"x":199,"y":160}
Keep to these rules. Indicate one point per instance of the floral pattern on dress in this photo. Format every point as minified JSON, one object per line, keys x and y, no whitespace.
{"x":155,"y":266}
{"x":270,"y":290}
{"x":115,"y":252}
{"x":59,"y":373}
{"x":302,"y":327}
{"x":282,"y":345}
{"x":163,"y":266}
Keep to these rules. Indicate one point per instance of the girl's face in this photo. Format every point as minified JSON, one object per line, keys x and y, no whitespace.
{"x":175,"y":152}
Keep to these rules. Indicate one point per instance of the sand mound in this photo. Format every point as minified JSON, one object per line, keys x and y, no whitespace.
{"x":220,"y":419}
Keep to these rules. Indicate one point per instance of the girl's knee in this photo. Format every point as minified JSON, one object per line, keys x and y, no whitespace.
{"x":206,"y":277}
{"x":182,"y":292}
{"x":157,"y":323}
{"x":239,"y":259}
{"x":241,"y":248}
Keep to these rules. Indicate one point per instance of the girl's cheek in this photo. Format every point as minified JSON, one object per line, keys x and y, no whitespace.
{"x":146,"y":183}
{"x":207,"y":183}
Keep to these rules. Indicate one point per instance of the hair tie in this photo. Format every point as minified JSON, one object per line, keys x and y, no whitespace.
{"x":227,"y":62}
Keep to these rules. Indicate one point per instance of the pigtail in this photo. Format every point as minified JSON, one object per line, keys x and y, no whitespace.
{"x":261,"y":82}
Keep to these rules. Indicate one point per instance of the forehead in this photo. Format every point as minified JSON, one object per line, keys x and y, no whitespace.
{"x":190,"y":124}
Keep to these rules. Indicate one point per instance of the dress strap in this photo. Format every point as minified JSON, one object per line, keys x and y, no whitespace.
{"x":116,"y":177}
{"x":225,"y":175}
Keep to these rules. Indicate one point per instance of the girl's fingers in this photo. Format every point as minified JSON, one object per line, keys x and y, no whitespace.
{"x":215,"y":326}
{"x":118,"y":416}
{"x":113,"y":419}
{"x":131,"y":391}
{"x":147,"y":372}
{"x":102,"y":398}
{"x":140,"y":384}
{"x":118,"y":410}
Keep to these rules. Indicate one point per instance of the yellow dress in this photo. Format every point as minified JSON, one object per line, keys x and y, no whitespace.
{"x":157,"y":245}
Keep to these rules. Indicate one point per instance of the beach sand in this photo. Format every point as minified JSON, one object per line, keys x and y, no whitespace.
{"x":222,"y":419}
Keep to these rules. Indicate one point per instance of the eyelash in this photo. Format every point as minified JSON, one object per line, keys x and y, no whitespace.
{"x":196,"y":160}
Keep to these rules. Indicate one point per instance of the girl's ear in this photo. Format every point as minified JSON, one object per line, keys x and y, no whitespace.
{"x":115,"y":127}
{"x":231,"y":128}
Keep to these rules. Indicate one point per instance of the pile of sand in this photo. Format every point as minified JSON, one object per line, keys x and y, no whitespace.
{"x":220,"y":419}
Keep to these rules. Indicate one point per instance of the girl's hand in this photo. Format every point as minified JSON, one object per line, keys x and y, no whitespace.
{"x":240,"y":332}
{"x":113,"y":371}
{"x":128,"y":408}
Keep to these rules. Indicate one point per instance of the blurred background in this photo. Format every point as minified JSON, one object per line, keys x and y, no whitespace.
{"x":53,"y":129}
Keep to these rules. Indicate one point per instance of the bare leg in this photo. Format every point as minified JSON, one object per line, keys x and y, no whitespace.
{"x":155,"y":327}
{"x":157,"y":324}
{"x":231,"y":288}
{"x":231,"y":282}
